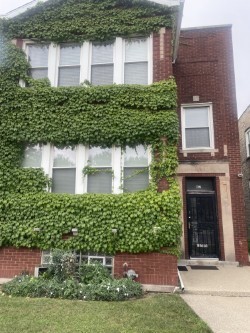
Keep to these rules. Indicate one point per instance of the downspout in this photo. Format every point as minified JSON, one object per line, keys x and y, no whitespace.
{"x":178,"y":31}
{"x":182,"y":288}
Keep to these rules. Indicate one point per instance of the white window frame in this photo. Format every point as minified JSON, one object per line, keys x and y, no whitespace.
{"x":117,"y":166}
{"x":210,"y":126}
{"x":247,"y":136}
{"x":86,"y":60}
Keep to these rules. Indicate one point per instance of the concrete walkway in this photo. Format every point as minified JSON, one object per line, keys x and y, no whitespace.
{"x":220,"y":297}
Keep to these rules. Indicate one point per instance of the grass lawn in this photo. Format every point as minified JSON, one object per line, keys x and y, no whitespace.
{"x":154,"y":313}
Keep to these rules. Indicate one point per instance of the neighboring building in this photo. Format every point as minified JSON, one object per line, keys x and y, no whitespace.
{"x":209,"y":160}
{"x":244,"y":131}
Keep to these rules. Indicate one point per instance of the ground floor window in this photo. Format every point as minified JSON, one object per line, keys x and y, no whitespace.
{"x":83,"y":258}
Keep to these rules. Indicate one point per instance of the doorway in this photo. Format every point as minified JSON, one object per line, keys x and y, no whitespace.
{"x":202,"y":218}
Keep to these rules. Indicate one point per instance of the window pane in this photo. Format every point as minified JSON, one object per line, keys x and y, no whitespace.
{"x":197,"y":137}
{"x":102,"y":53}
{"x":70,"y":55}
{"x":99,"y":156}
{"x":39,"y":73}
{"x":102,"y":74}
{"x":100,"y":182}
{"x":135,"y":182}
{"x":69,"y":76}
{"x":205,"y":184}
{"x":38,"y":55}
{"x":32,"y":157}
{"x":136,"y":49}
{"x":136,"y":156}
{"x":136,"y":73}
{"x":63,"y":180}
{"x":197,"y":117}
{"x":64,"y":157}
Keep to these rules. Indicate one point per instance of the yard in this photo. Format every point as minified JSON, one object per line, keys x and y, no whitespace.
{"x":154,"y":313}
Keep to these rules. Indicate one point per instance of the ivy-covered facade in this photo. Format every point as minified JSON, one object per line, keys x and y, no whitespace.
{"x":71,"y":88}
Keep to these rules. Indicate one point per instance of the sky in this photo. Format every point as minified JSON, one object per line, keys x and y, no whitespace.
{"x":205,"y":13}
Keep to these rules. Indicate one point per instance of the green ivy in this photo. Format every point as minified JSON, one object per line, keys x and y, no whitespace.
{"x":78,"y":21}
{"x":135,"y":216}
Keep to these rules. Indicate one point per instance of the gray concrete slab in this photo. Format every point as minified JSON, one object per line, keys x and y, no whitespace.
{"x":222,"y":314}
{"x":220,"y":297}
{"x":226,"y":281}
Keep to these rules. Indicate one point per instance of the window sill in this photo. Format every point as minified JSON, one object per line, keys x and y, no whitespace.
{"x":198,"y":151}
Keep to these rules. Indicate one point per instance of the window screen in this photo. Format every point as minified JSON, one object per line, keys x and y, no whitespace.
{"x":38,"y":58}
{"x":32,"y":156}
{"x":69,"y":65}
{"x":64,"y":170}
{"x":101,"y":160}
{"x":136,"y":61}
{"x":135,"y":171}
{"x":102,"y":68}
{"x":197,"y":127}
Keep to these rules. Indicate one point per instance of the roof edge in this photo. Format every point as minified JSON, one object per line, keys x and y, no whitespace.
{"x":209,"y":27}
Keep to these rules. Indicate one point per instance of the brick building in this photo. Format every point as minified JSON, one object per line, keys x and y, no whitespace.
{"x":201,"y":60}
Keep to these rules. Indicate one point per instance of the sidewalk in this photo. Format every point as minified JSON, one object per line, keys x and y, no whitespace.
{"x":220,"y":297}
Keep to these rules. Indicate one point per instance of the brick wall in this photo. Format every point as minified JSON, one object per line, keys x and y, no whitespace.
{"x":205,"y":68}
{"x":162,"y":55}
{"x":15,"y":261}
{"x":152,"y":268}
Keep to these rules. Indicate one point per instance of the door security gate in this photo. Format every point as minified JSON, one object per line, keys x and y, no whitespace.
{"x":202,"y":225}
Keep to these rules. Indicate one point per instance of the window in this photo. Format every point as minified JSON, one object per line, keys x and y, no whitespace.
{"x":102,"y":68}
{"x":69,"y":65}
{"x":64,"y":170}
{"x":32,"y":156}
{"x":38,"y":58}
{"x":197,"y":127}
{"x":101,"y":161}
{"x":120,"y":61}
{"x":248,"y":142}
{"x":135,"y":171}
{"x":136,"y":61}
{"x":109,"y":170}
{"x":83,"y":258}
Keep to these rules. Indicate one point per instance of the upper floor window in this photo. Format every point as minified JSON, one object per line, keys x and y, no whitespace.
{"x":69,"y":65}
{"x":83,"y":169}
{"x":136,"y":61}
{"x":197,"y":127}
{"x":38,"y":58}
{"x":119,"y":61}
{"x":248,"y":142}
{"x":102,"y":67}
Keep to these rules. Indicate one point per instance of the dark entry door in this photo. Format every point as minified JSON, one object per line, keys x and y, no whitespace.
{"x":202,"y":226}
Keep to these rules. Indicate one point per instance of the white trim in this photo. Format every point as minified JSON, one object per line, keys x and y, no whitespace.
{"x":118,"y":61}
{"x":150,"y":59}
{"x":247,"y":142}
{"x":210,"y":126}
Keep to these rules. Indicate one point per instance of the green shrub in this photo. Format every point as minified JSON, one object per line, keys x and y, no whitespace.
{"x":109,"y":290}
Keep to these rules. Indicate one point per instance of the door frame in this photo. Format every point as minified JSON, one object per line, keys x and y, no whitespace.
{"x":199,"y":193}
